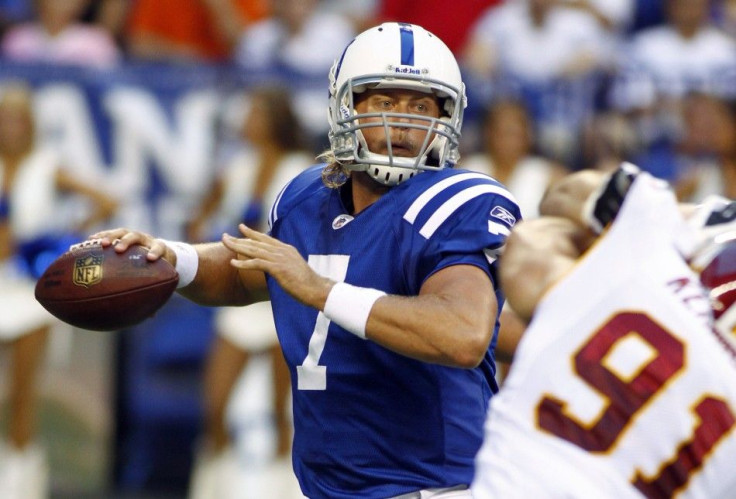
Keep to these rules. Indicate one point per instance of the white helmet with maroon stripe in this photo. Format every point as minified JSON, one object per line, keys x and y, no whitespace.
{"x":716,"y":263}
{"x":402,"y":56}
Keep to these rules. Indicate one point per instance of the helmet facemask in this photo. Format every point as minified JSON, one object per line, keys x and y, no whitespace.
{"x":439,"y":148}
{"x":434,"y":71}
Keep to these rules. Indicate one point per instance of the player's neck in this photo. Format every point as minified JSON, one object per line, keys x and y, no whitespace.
{"x":366,"y":191}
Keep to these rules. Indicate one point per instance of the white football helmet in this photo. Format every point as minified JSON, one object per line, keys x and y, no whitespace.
{"x":716,"y":265}
{"x":403,"y":56}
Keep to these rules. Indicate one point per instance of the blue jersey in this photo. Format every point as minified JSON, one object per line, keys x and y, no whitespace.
{"x":370,"y":422}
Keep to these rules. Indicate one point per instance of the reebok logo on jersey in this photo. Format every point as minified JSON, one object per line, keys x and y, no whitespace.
{"x":503,"y":214}
{"x":341,"y":221}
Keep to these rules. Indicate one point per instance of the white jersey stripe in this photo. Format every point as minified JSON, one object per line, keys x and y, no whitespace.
{"x":497,"y":228}
{"x":420,"y":202}
{"x":455,"y":202}
{"x":274,"y":209}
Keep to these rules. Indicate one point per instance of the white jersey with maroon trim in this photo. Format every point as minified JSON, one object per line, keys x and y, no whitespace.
{"x":619,"y":387}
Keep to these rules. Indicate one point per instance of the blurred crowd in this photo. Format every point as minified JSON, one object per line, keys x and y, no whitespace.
{"x":651,"y":81}
{"x":553,"y":86}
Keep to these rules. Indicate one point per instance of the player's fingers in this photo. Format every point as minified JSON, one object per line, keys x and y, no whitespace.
{"x":230,"y":242}
{"x":254,"y":234}
{"x":157,"y":249}
{"x":249,"y":264}
{"x":247,"y":247}
{"x":107,"y":237}
{"x":125,"y":241}
{"x":237,"y":244}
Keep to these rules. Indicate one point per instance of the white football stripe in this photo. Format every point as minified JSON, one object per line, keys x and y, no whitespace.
{"x":455,"y":202}
{"x":420,"y":202}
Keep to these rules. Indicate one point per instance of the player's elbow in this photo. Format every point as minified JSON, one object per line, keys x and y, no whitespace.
{"x":469,"y":359}
{"x":468,"y":362}
{"x":471,"y":351}
{"x":473,"y":337}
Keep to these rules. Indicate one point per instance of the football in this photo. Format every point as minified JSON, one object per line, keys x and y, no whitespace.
{"x":96,"y":288}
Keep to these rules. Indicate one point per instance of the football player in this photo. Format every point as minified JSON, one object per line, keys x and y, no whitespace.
{"x":381,"y":269}
{"x":620,"y":386}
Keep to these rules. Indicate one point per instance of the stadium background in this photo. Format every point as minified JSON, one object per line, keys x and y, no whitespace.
{"x":120,"y":412}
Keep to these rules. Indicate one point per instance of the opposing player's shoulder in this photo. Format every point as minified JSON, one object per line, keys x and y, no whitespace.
{"x":448,"y":197}
{"x":302,"y":187}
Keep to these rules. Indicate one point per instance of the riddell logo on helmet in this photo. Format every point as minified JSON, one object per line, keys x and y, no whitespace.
{"x":405,"y":70}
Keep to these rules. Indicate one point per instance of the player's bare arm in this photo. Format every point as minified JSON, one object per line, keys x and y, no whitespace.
{"x":538,"y":254}
{"x":215,"y":283}
{"x":591,"y":198}
{"x":567,"y":197}
{"x":509,"y":334}
{"x":450,"y":322}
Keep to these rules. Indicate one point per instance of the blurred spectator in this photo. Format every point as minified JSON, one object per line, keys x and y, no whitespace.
{"x":299,"y":36}
{"x":16,"y":10}
{"x":244,"y":192}
{"x":510,"y":39}
{"x":189,"y":30}
{"x":688,"y":53}
{"x":547,"y":54}
{"x":724,"y":16}
{"x":435,"y":16}
{"x":647,"y":13}
{"x":31,"y":182}
{"x":362,"y":13}
{"x":707,"y":150}
{"x":13,"y":12}
{"x":664,"y":63}
{"x":613,"y":15}
{"x":109,"y":15}
{"x":58,"y":37}
{"x":508,"y":155}
{"x":609,"y":139}
{"x":271,"y":151}
{"x":302,"y":39}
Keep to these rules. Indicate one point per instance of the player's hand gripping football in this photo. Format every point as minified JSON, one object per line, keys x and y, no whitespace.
{"x":125,"y":238}
{"x":258,"y":251}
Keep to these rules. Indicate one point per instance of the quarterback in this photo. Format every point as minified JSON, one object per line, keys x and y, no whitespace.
{"x":380,"y":264}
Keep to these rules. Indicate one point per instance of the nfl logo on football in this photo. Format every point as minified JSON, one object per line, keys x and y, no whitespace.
{"x":88,"y":271}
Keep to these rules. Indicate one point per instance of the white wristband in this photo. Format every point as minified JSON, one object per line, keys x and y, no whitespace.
{"x":349,"y":306}
{"x":187,"y":261}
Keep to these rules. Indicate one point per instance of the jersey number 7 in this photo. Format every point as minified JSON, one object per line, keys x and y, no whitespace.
{"x":310,"y":375}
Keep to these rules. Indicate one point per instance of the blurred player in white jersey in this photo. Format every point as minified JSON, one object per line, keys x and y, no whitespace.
{"x":619,"y":386}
